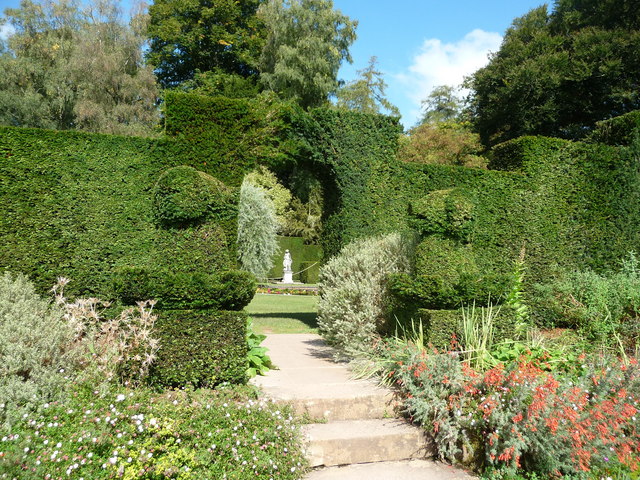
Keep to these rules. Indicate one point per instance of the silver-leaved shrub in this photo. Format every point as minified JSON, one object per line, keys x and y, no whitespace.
{"x":351,"y":309}
{"x":36,"y":348}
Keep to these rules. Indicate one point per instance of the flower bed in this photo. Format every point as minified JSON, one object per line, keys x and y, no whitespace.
{"x":138,"y":434}
{"x":287,"y":290}
{"x":523,"y":417}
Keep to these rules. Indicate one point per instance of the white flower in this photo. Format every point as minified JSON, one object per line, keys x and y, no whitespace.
{"x":120,"y":398}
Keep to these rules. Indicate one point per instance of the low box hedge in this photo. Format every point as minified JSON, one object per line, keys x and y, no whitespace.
{"x":202,"y":348}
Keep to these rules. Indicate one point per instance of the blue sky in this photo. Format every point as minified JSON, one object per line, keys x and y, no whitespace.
{"x":421,"y":43}
{"x":424,"y":43}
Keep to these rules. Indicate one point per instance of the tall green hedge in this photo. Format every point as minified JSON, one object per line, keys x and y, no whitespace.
{"x":81,"y":205}
{"x":304,"y":257}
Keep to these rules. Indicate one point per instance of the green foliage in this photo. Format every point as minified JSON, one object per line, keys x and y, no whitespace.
{"x":445,"y":212}
{"x":444,"y":329}
{"x":302,"y":256}
{"x":81,"y":205}
{"x":354,"y":153}
{"x":307,"y":42}
{"x":228,"y":290}
{"x":446,"y":276}
{"x":36,"y":354}
{"x":222,"y":36}
{"x":622,"y":130}
{"x":353,"y":285}
{"x":367,"y":93}
{"x":257,"y":227}
{"x":202,"y":348}
{"x":530,"y":85}
{"x":73,"y":66}
{"x":229,"y":137}
{"x":174,"y":435}
{"x":279,"y":195}
{"x":442,"y":143}
{"x":604,"y":307}
{"x":259,"y":361}
{"x":441,"y":105}
{"x":184,"y":195}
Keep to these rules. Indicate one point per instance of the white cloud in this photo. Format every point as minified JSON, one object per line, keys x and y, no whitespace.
{"x":440,"y":63}
{"x":6,"y":31}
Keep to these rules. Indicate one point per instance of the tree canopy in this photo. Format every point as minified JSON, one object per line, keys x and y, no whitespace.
{"x":442,"y":105}
{"x":559,"y":72}
{"x":190,"y":36}
{"x":367,"y":93}
{"x":307,"y":41}
{"x":68,"y":66}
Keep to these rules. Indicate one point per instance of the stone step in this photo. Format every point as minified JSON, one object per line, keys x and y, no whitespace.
{"x":398,"y":470}
{"x":358,"y":406}
{"x":364,"y":441}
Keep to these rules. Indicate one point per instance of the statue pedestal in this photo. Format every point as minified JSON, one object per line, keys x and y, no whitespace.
{"x":287,"y":277}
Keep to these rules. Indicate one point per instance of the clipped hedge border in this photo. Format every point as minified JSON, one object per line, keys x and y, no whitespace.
{"x":202,"y":348}
{"x":228,"y":290}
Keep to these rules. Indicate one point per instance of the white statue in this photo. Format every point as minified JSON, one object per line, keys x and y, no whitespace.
{"x":287,"y":262}
{"x":287,"y":275}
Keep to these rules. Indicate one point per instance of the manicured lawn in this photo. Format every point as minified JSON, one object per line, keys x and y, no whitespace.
{"x":284,"y":313}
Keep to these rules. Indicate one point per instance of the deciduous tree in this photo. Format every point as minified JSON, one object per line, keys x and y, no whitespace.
{"x":558,"y":73}
{"x":190,"y":36}
{"x":307,"y":41}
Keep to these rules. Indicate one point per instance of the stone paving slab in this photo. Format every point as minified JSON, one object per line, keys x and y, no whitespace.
{"x":402,"y":470}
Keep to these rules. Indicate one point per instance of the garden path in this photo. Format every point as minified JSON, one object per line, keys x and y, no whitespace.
{"x":352,"y":434}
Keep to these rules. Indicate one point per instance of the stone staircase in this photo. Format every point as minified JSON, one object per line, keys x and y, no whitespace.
{"x":352,"y":432}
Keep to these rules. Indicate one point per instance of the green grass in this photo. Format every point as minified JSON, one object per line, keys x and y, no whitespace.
{"x":284,"y":313}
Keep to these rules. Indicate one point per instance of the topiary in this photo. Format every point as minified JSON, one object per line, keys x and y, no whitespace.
{"x":446,"y":212}
{"x":184,"y":195}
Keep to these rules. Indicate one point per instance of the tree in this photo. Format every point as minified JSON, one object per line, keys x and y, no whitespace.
{"x":306,"y":43}
{"x":190,"y":36}
{"x":367,"y":93}
{"x":67,"y":67}
{"x":442,"y":105}
{"x":557,"y":74}
{"x":257,"y":227}
{"x":442,"y":143}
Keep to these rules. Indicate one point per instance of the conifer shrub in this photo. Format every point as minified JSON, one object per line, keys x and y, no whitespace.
{"x":257,"y":227}
{"x":184,"y":195}
{"x":354,"y":293}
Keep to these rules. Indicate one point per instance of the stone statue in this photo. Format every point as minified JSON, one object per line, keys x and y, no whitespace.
{"x":287,"y":262}
{"x":287,"y":275}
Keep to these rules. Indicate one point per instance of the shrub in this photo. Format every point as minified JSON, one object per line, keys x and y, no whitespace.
{"x":45,"y":345}
{"x":228,"y":290}
{"x":604,"y":307}
{"x":279,"y":195}
{"x":354,"y":296}
{"x":184,"y":195}
{"x":36,"y":354}
{"x":443,"y":143}
{"x":520,"y":417}
{"x":128,"y":434}
{"x":202,"y":348}
{"x":257,"y":226}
